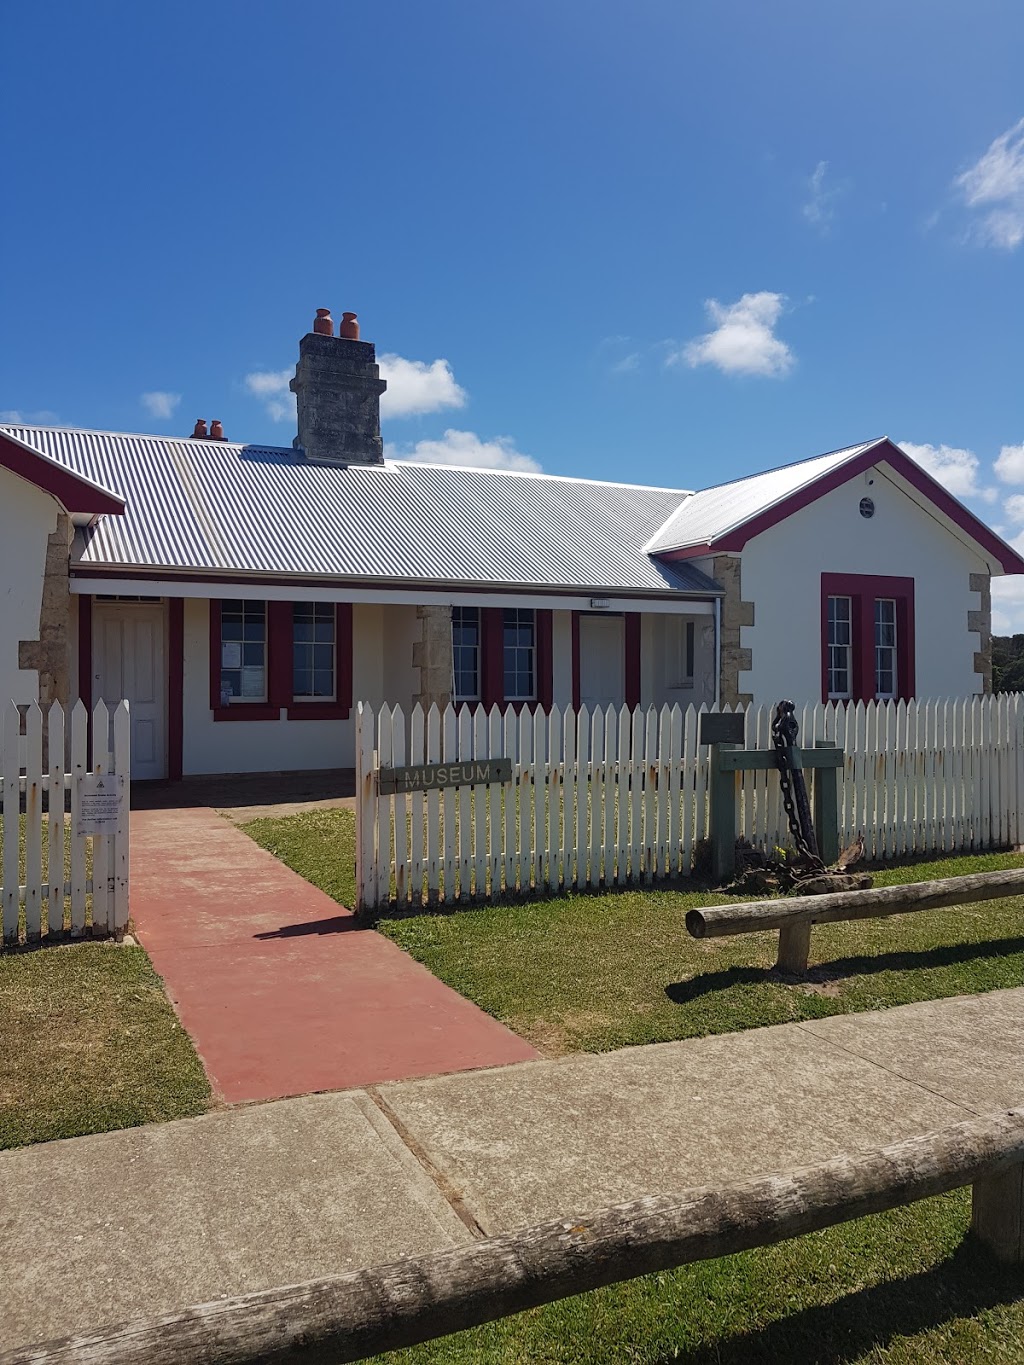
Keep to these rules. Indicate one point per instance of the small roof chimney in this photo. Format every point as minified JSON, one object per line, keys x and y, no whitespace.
{"x":337,"y":389}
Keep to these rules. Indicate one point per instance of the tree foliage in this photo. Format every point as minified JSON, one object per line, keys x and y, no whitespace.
{"x":1008,"y":663}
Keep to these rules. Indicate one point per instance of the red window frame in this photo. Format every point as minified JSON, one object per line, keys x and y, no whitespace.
{"x":492,"y":660}
{"x":280,"y":693}
{"x":863,"y":590}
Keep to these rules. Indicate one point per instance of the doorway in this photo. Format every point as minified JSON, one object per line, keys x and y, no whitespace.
{"x":602,"y":661}
{"x":129,"y":654}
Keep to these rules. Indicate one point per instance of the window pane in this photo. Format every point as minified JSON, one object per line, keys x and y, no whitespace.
{"x":885,"y":647}
{"x":313,"y":653}
{"x":520,"y":631}
{"x":466,"y":652}
{"x":243,"y":654}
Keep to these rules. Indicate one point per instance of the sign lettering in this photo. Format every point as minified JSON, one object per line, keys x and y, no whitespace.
{"x":99,"y":802}
{"x":431,"y":776}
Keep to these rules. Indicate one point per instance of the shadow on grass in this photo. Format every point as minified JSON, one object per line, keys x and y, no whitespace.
{"x":683,"y":992}
{"x":966,"y":1283}
{"x":337,"y":924}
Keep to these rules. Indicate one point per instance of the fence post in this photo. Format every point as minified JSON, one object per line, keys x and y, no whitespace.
{"x":722,"y":815}
{"x":120,"y":855}
{"x":826,"y":809}
{"x":997,"y":1214}
{"x":366,"y":812}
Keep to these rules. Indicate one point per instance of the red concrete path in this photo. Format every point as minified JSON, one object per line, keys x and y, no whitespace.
{"x":279,"y":990}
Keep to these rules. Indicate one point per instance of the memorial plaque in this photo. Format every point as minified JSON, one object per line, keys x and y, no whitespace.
{"x":722,"y":727}
{"x":99,"y":803}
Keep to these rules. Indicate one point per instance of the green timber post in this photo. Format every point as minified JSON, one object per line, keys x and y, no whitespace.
{"x":826,"y":810}
{"x":722,"y":816}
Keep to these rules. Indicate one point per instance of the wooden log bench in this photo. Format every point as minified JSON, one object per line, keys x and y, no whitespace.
{"x":793,"y":917}
{"x":385,"y":1308}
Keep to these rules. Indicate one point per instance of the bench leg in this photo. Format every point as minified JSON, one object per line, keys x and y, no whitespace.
{"x":794,"y":949}
{"x":997,"y":1214}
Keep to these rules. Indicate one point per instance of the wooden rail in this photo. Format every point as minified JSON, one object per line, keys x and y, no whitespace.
{"x":794,"y":917}
{"x":348,"y":1317}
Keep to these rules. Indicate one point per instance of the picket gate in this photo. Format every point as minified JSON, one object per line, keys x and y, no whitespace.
{"x":47,"y":889}
{"x":619,"y":797}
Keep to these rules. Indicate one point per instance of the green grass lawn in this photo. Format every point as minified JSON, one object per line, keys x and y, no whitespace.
{"x":90,"y":1043}
{"x":592,"y":972}
{"x":602,"y":971}
{"x":901,"y":1288}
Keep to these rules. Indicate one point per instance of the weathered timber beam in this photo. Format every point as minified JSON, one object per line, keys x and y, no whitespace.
{"x":763,"y":760}
{"x":720,"y":921}
{"x":348,"y":1317}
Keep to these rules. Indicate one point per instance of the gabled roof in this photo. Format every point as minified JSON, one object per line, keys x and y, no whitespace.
{"x":79,"y":495}
{"x":722,"y":519}
{"x":220,"y":508}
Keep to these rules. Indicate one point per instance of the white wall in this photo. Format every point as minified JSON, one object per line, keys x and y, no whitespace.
{"x":27,"y":517}
{"x":781,"y":574}
{"x":660,"y":683}
{"x":561,"y":658}
{"x":382,"y":639}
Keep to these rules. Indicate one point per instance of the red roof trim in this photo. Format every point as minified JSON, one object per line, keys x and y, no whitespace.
{"x":74,"y":493}
{"x":730,"y":542}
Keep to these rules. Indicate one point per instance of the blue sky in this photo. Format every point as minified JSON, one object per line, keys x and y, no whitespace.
{"x":670,"y":243}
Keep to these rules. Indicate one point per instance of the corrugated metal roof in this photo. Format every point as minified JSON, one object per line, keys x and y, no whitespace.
{"x":715,"y":511}
{"x":217,"y":506}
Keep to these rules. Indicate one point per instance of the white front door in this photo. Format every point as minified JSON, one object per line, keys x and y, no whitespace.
{"x":128,"y":662}
{"x":602,"y":661}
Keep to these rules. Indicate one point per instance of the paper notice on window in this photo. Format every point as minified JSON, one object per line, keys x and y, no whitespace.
{"x":252,"y":682}
{"x":231,"y":654}
{"x":100,"y":798}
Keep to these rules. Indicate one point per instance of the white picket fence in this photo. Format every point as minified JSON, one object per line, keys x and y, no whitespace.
{"x":47,"y":889}
{"x":619,"y":797}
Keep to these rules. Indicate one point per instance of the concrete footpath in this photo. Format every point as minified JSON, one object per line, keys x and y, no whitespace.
{"x":124,"y":1225}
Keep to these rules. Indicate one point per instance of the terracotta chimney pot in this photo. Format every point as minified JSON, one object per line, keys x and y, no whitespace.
{"x":348,"y":327}
{"x":323,"y":322}
{"x":199,"y":432}
{"x":217,"y":431}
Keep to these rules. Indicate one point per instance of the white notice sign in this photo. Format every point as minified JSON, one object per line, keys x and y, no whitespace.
{"x":99,"y":802}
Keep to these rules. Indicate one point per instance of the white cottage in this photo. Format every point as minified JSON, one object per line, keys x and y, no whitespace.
{"x":242,"y":597}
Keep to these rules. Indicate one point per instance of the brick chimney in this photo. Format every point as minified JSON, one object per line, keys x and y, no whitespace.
{"x":337,"y":389}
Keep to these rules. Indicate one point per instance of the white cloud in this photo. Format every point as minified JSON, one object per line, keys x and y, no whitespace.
{"x":819,"y":208}
{"x":16,"y":418}
{"x":160,"y":404}
{"x":272,"y":387}
{"x":626,"y":365}
{"x":743,"y":341}
{"x":1009,"y":465}
{"x":1014,"y":507}
{"x":414,"y":387}
{"x":1008,"y":600}
{"x":994,"y":187}
{"x":466,"y":448}
{"x":956,"y":469}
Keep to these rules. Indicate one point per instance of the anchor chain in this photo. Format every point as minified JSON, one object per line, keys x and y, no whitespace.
{"x":785,"y":730}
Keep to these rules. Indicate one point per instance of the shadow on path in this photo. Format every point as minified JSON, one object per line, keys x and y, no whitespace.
{"x":338,"y":924}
